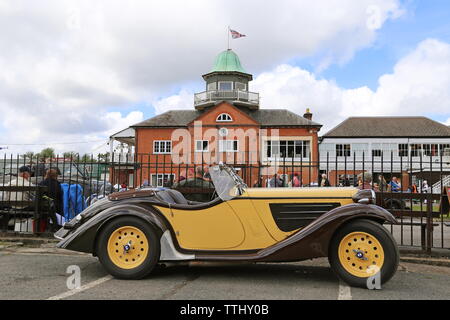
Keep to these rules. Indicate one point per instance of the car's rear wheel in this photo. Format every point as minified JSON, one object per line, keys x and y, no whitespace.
{"x":363,"y":249}
{"x":128,"y":248}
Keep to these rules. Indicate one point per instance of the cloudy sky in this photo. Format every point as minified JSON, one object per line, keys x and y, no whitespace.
{"x":74,"y":72}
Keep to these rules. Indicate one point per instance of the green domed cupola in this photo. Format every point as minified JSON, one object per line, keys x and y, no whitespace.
{"x":227,"y":81}
{"x":228,"y":61}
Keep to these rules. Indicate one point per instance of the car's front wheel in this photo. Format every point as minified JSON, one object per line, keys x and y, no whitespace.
{"x":363,"y":249}
{"x":128,"y":248}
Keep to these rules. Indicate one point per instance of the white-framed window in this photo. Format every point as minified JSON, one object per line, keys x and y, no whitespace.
{"x":201,"y":145}
{"x":444,"y":149}
{"x":162,"y":147}
{"x":212,"y":86}
{"x":240,"y":86}
{"x":377,"y":153}
{"x":403,"y":150}
{"x":343,"y":150}
{"x":377,"y":150}
{"x":228,"y":145}
{"x":416,"y":150}
{"x":162,"y":179}
{"x":430,"y":150}
{"x":224,"y":117}
{"x":225,"y":85}
{"x":287,"y":149}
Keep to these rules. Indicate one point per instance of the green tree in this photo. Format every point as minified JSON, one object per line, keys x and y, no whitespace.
{"x":87,"y":158}
{"x":28,"y":155}
{"x":47,"y":153}
{"x":103,"y":157}
{"x":71,"y":155}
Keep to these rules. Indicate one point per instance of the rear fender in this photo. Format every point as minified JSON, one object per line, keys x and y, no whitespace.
{"x":83,"y":239}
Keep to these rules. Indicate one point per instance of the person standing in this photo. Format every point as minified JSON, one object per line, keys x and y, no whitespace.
{"x":324,"y":181}
{"x":206,"y":175}
{"x":425,"y":187}
{"x":257,"y":184}
{"x":275,"y":182}
{"x":395,"y":185}
{"x":365,"y":181}
{"x":22,"y":180}
{"x":383,"y":185}
{"x":296,"y":181}
{"x":54,"y":192}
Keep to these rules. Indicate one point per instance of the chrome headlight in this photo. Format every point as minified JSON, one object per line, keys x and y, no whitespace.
{"x":374,"y":197}
{"x":365,"y":196}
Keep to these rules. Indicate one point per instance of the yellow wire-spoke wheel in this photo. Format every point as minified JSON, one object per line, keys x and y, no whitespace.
{"x":128,"y":247}
{"x":361,"y":254}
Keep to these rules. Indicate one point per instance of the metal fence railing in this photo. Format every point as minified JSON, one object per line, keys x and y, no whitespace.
{"x":409,"y":191}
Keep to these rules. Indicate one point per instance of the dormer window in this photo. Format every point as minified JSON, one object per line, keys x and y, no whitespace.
{"x":224,"y":117}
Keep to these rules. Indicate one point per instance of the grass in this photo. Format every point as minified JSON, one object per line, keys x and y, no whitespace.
{"x":436,"y":208}
{"x":423,"y":207}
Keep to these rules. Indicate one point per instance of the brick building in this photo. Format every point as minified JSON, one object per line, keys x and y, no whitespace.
{"x":226,"y":124}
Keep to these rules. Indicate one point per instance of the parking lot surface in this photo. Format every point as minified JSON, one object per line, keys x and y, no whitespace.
{"x":42,"y":274}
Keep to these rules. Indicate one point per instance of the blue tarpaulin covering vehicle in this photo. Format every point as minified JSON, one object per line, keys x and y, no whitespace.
{"x":73,"y":200}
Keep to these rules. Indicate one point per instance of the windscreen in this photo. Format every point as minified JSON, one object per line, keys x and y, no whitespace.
{"x":226,"y":182}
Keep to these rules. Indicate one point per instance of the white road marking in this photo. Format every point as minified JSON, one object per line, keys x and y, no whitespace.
{"x":81,"y":289}
{"x":345,"y":292}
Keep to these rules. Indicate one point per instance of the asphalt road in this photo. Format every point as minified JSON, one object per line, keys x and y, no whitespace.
{"x":41,"y":274}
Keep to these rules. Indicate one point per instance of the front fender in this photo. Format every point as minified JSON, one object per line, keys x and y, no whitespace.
{"x":313,"y":240}
{"x":83,"y":238}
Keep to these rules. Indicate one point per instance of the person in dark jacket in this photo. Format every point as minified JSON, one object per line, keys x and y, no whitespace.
{"x":324,"y":182}
{"x":276,"y":182}
{"x":54,"y":192}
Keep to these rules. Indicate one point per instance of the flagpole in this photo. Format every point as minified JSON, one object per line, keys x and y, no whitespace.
{"x":228,"y":33}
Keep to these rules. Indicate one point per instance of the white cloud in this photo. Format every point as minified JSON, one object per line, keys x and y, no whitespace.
{"x":418,"y":85}
{"x":180,"y":101}
{"x":82,"y":132}
{"x":65,"y":63}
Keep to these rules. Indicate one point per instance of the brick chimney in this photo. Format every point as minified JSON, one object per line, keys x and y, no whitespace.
{"x":307,"y":115}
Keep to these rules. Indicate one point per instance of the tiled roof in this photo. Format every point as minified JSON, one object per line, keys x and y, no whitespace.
{"x":389,"y":127}
{"x":174,"y":118}
{"x":280,"y":117}
{"x":266,"y":117}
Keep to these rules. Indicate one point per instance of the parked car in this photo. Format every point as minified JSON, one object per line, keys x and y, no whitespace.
{"x":130,"y":232}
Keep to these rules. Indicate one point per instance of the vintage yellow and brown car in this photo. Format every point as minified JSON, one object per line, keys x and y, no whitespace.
{"x":130,"y":232}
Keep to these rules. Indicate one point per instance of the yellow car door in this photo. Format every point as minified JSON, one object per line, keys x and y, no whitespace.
{"x":215,"y":227}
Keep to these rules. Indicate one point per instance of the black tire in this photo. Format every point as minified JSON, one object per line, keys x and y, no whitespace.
{"x":376,"y":230}
{"x":146,"y":265}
